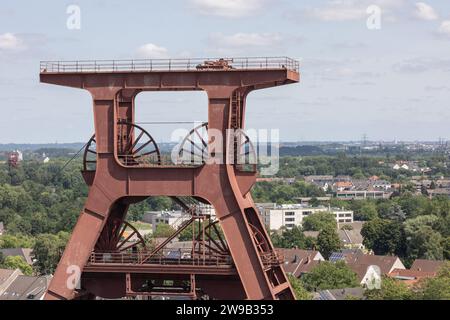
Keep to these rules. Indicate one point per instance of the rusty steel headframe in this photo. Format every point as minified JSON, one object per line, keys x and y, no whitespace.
{"x":242,"y":265}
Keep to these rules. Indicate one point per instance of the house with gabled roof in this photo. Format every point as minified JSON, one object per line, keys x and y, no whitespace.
{"x":432,"y":266}
{"x":7,"y":277}
{"x":24,"y":253}
{"x":26,"y":288}
{"x":298,"y":262}
{"x":368,"y":267}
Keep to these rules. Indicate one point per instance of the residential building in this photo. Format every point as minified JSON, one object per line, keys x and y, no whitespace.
{"x":419,"y":270}
{"x":427,"y":265}
{"x":306,"y":200}
{"x":410,"y":277}
{"x":172,"y":218}
{"x":298,"y":262}
{"x":362,"y":194}
{"x":343,"y":185}
{"x":24,"y":253}
{"x":7,"y":277}
{"x":438,"y":192}
{"x":369,"y":268}
{"x":276,"y":179}
{"x":2,"y":228}
{"x":319,"y":179}
{"x":291,"y":215}
{"x":351,"y":237}
{"x":26,"y":288}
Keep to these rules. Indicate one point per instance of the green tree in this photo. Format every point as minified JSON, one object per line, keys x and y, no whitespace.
{"x":328,"y":241}
{"x":293,"y":238}
{"x":17,"y":262}
{"x":16,"y":241}
{"x":384,"y":237}
{"x":446,"y":248}
{"x":391,"y":289}
{"x":47,"y":251}
{"x":368,"y":211}
{"x":328,"y":275}
{"x":300,"y":292}
{"x":319,"y":221}
{"x":423,"y":242}
{"x":163,"y":231}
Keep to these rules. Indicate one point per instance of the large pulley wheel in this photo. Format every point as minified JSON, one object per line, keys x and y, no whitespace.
{"x":193,"y":149}
{"x":136,"y":147}
{"x":120,"y":236}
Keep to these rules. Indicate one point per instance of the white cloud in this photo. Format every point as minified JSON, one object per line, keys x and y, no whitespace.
{"x":246,"y":39}
{"x":422,"y":64}
{"x":152,"y":51}
{"x":444,"y":29}
{"x":425,"y":12}
{"x":9,"y":41}
{"x":350,"y":10}
{"x":334,"y":13}
{"x":228,"y":8}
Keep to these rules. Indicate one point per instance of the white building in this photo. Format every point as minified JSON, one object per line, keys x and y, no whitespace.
{"x":291,"y":215}
{"x":172,"y":218}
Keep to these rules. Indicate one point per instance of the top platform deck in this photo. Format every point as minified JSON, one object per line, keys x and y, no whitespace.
{"x":170,"y":65}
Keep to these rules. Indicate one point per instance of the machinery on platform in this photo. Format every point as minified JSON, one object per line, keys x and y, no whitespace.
{"x":231,"y":255}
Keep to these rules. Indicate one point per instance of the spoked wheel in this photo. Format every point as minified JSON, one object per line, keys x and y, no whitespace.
{"x":90,"y":155}
{"x":194,"y":147}
{"x":245,"y":155}
{"x":259,"y":238}
{"x":120,"y":236}
{"x":214,"y":240}
{"x":268,"y":257}
{"x":140,"y":151}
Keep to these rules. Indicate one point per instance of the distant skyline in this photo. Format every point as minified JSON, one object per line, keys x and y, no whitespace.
{"x":391,"y":83}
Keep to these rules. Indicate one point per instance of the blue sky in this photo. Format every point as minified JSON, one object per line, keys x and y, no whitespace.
{"x":389,"y":83}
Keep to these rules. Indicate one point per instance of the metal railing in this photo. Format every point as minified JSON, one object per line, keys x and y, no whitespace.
{"x":164,"y":257}
{"x":273,"y":258}
{"x":148,"y":65}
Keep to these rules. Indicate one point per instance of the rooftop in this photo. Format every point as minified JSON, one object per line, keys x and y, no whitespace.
{"x":298,"y":261}
{"x":427,"y":265}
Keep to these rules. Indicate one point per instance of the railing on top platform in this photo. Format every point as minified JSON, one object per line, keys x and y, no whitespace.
{"x":164,"y":257}
{"x":147,"y":65}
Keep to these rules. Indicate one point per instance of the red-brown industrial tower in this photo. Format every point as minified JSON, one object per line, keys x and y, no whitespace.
{"x":231,"y":256}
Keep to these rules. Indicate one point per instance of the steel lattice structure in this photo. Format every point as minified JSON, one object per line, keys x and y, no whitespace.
{"x":232,"y":256}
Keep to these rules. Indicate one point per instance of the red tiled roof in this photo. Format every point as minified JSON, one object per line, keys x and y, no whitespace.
{"x":385,"y":263}
{"x":427,"y":265}
{"x":297,"y":261}
{"x":411,"y":273}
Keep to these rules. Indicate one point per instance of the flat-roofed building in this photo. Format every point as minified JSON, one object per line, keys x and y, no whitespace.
{"x":290,"y":215}
{"x":361,"y":194}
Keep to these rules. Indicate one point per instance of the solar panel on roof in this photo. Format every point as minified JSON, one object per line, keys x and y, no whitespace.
{"x":336,"y":256}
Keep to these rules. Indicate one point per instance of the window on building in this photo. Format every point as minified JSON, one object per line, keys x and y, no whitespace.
{"x":290,"y":225}
{"x":290,"y":219}
{"x":289,"y":213}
